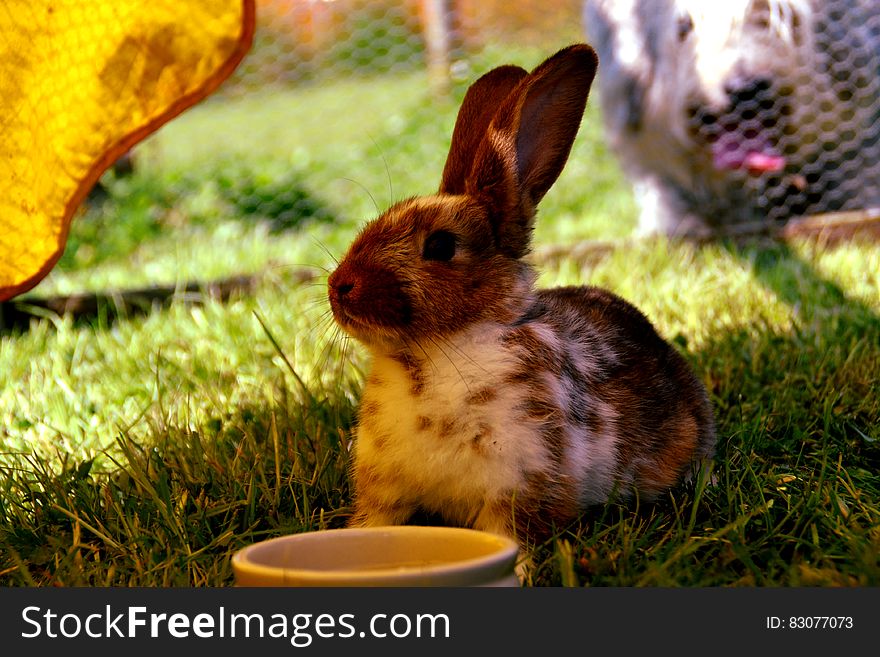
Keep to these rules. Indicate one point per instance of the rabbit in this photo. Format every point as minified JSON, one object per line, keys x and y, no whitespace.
{"x":489,"y":403}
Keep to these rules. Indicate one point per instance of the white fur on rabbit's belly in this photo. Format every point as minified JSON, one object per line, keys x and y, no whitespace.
{"x":461,"y":439}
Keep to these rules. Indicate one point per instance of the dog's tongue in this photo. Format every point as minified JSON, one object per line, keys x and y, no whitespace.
{"x":764,"y":162}
{"x":733,"y":151}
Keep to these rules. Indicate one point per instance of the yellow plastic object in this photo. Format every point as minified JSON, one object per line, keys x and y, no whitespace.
{"x":81,"y":82}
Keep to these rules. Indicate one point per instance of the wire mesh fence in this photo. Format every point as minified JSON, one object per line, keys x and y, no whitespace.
{"x":816,"y":113}
{"x":745,"y":111}
{"x":343,"y":106}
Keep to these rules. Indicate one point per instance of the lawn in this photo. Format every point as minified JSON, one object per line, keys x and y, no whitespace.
{"x":146,"y":450}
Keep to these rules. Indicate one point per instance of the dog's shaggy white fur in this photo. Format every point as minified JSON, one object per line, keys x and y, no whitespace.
{"x":742,"y":110}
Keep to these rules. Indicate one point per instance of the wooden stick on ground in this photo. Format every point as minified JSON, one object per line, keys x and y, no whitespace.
{"x":17,"y":314}
{"x":826,"y":229}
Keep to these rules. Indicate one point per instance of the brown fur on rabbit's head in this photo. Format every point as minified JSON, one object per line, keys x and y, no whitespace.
{"x":431,"y":266}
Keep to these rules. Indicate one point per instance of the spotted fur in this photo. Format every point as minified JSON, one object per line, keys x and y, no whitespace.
{"x":490,"y":403}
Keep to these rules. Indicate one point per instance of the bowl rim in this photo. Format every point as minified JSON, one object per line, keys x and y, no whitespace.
{"x":490,"y":566}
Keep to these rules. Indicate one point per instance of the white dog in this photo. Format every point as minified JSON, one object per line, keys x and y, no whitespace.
{"x":741,"y":110}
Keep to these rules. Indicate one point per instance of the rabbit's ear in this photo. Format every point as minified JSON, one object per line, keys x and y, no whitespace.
{"x":528,"y":142}
{"x":477,"y":109}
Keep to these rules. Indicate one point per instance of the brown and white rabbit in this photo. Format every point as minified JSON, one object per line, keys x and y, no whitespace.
{"x":490,"y":403}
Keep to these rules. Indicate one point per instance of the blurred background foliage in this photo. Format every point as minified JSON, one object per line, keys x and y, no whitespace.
{"x":341,"y":107}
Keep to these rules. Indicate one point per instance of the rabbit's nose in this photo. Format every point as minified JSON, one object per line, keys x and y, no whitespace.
{"x":340,"y":285}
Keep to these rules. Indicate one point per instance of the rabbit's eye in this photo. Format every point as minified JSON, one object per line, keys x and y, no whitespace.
{"x":440,"y":245}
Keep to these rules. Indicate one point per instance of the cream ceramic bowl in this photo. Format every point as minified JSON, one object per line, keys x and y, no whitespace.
{"x":379,"y":556}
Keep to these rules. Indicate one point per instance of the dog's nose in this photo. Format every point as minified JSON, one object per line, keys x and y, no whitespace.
{"x":746,"y":89}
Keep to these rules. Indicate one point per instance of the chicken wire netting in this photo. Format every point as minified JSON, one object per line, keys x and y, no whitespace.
{"x":800,"y":131}
{"x":343,"y":106}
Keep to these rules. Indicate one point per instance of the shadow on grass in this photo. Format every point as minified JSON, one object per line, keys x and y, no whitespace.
{"x":821,"y":376}
{"x":805,"y":404}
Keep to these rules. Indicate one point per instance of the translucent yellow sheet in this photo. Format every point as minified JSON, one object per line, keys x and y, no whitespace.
{"x":81,"y":81}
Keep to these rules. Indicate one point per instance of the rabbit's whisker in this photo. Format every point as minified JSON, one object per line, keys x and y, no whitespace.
{"x":367,"y":191}
{"x":440,"y":348}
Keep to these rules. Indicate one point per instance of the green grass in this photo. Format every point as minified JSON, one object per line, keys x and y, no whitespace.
{"x":146,"y":451}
